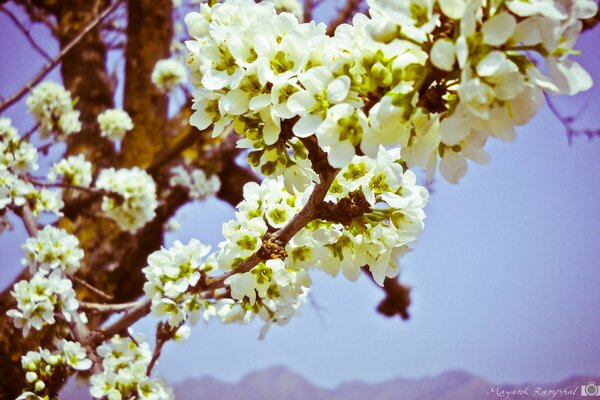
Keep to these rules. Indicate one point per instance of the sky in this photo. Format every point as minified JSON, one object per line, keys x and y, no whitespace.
{"x":505,"y":276}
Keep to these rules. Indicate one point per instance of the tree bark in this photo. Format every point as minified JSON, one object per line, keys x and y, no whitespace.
{"x":85,"y":74}
{"x":149,"y":34}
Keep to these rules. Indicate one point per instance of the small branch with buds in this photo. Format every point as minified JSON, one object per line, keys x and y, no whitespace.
{"x":164,"y":333}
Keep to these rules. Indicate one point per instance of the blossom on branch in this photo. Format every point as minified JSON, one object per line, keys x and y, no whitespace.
{"x":138,"y":191}
{"x":167,"y":74}
{"x":52,"y":107}
{"x":39,"y":299}
{"x":114,"y":124}
{"x":124,"y":372}
{"x":51,"y":249}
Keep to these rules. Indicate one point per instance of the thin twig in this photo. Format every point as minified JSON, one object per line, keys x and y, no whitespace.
{"x":30,"y":132}
{"x":120,"y":325}
{"x":107,"y":308}
{"x":63,"y":185}
{"x":164,"y":333}
{"x":56,"y":60}
{"x":25,"y":32}
{"x":89,"y":287}
{"x":568,"y":121}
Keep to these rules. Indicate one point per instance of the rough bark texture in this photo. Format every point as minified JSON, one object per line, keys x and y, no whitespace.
{"x":149,"y":34}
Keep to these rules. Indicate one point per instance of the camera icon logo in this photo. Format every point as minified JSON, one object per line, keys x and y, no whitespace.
{"x":590,"y":390}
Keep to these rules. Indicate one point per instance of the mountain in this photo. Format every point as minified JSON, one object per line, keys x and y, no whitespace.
{"x":280,"y":383}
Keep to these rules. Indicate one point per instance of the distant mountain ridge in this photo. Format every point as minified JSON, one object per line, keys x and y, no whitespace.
{"x":280,"y":383}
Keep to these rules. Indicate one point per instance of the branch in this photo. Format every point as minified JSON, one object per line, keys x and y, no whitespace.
{"x":568,"y":121}
{"x":95,"y":193}
{"x":307,"y":17}
{"x":107,"y":308}
{"x":344,"y":14}
{"x":130,"y":318}
{"x":26,"y":215}
{"x":25,"y":32}
{"x":173,"y":152}
{"x":39,"y":11}
{"x":89,"y":287}
{"x":164,"y":333}
{"x":56,"y":60}
{"x":309,"y":212}
{"x":397,"y":298}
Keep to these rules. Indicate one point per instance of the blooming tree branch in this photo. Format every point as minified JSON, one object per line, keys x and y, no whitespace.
{"x":332,"y":118}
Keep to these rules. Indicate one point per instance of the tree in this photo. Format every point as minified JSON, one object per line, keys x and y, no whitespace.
{"x":311,"y":108}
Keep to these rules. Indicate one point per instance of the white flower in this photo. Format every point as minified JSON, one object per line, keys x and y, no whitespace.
{"x":196,"y":182}
{"x":392,"y":218}
{"x":169,"y":274}
{"x":74,"y":170}
{"x":498,"y":29}
{"x":453,"y":8}
{"x":526,"y":8}
{"x":15,"y":154}
{"x":138,"y":192}
{"x":182,"y":334}
{"x":52,"y":107}
{"x":167,"y":74}
{"x":321,"y":90}
{"x":291,"y":6}
{"x":123,"y":375}
{"x":443,"y":54}
{"x":208,"y":112}
{"x":342,"y":130}
{"x":52,"y":248}
{"x":40,"y":298}
{"x":114,"y":123}
{"x":74,"y":355}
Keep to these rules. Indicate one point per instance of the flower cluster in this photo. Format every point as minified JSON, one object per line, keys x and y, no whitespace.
{"x":196,"y":182}
{"x":137,"y":203}
{"x":52,"y":107}
{"x":376,"y":211}
{"x":123,"y":375}
{"x":270,"y":290}
{"x":52,"y":248}
{"x":170,"y":276}
{"x":16,"y":155}
{"x":41,"y":366}
{"x":74,"y":170}
{"x":114,"y":124}
{"x":17,"y":159}
{"x":436,"y":81}
{"x":483,"y":75}
{"x":372,"y":212}
{"x":246,"y":60}
{"x":39,"y":299}
{"x":167,"y":74}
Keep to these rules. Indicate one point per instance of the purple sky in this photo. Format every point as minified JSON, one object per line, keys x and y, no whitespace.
{"x":505,"y":276}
